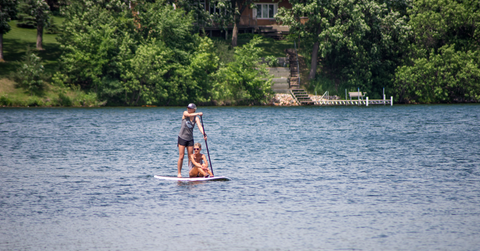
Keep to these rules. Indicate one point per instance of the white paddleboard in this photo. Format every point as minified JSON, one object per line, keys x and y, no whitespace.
{"x":188,"y":179}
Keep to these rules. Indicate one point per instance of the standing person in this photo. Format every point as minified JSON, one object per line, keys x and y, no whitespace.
{"x":198,"y":163}
{"x":185,"y":137}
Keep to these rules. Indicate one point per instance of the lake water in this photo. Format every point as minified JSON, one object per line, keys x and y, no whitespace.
{"x":302,"y":178}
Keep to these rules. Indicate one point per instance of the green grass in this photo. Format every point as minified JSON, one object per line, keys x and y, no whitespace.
{"x":16,"y":41}
{"x":15,"y":44}
{"x":270,"y":46}
{"x":51,"y":96}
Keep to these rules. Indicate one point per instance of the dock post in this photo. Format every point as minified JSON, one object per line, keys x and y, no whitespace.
{"x":346,"y":94}
{"x":358,"y":96}
{"x":367,"y":101}
{"x":383,"y":99}
{"x":391,"y":100}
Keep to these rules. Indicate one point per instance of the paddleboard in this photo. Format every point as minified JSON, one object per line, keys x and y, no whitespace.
{"x":188,"y":179}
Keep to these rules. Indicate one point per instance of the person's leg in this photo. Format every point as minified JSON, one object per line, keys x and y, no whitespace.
{"x":196,"y":172}
{"x":181,"y":154}
{"x":190,"y":152}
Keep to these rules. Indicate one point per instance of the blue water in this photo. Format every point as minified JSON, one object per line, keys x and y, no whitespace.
{"x":302,"y":178}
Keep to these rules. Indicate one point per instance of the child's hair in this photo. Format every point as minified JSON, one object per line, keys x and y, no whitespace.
{"x":198,"y":145}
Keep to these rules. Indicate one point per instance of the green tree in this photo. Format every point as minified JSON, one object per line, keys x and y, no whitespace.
{"x":153,"y":58}
{"x":30,"y":73}
{"x":444,"y":58}
{"x":359,"y":42}
{"x":148,"y":54}
{"x":436,"y":23}
{"x":244,"y":80}
{"x":228,"y":12}
{"x":238,"y":6}
{"x":40,"y":10}
{"x":446,"y":76}
{"x":8,"y":9}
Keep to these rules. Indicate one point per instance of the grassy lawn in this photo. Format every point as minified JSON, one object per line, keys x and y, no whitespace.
{"x":16,"y":41}
{"x":270,"y":46}
{"x":15,"y":44}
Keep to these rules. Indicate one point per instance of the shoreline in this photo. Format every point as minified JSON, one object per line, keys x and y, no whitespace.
{"x":279,"y":99}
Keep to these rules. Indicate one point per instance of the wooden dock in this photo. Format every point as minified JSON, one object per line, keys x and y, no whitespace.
{"x":302,"y":98}
{"x":355,"y":102}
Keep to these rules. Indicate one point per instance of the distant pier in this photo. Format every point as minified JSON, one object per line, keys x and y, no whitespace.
{"x":286,"y":85}
{"x":365,"y":102}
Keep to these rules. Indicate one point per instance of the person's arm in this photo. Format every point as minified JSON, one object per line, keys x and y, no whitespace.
{"x":192,"y":159}
{"x":205,"y":162}
{"x":201,"y":128}
{"x":186,"y":114}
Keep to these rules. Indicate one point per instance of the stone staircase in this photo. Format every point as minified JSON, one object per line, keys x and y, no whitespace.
{"x":280,"y":79}
{"x":287,"y":80}
{"x":294,"y":78}
{"x":300,"y":94}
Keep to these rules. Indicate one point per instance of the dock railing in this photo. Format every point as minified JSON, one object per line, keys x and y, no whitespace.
{"x":326,"y":93}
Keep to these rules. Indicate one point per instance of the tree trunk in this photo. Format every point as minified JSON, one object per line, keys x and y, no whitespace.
{"x":39,"y":36}
{"x":235,"y":33}
{"x":1,"y":48}
{"x":313,"y":68}
{"x":237,"y":16}
{"x":313,"y":65}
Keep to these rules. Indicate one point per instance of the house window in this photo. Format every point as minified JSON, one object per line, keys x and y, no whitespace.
{"x":201,"y":4}
{"x":266,"y":11}
{"x":214,"y":8}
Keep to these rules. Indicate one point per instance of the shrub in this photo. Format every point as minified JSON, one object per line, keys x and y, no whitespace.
{"x":31,"y":73}
{"x":4,"y":100}
{"x":64,"y":100}
{"x":271,"y":61}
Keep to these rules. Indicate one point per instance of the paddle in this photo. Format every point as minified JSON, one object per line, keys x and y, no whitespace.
{"x":206,"y":145}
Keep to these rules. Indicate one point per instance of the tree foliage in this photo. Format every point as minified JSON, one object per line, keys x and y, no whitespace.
{"x":145,"y":55}
{"x":30,"y":73}
{"x":444,"y":63}
{"x":449,"y":76}
{"x":40,"y":10}
{"x":8,"y":9}
{"x":357,"y":42}
{"x":436,"y":23}
{"x":243,"y":81}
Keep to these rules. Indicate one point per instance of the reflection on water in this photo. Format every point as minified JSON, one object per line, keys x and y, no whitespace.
{"x":308,"y":178}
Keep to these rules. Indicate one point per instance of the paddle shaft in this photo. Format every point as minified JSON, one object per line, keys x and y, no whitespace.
{"x":206,"y":145}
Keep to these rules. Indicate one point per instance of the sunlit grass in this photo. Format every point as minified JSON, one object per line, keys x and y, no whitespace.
{"x":15,"y":44}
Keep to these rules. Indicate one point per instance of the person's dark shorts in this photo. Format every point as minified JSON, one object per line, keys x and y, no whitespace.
{"x":183,"y":142}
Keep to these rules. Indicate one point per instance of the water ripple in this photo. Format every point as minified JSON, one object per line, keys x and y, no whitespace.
{"x":308,"y":178}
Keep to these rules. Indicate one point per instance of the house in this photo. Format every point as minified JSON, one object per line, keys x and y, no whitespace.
{"x":259,"y":20}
